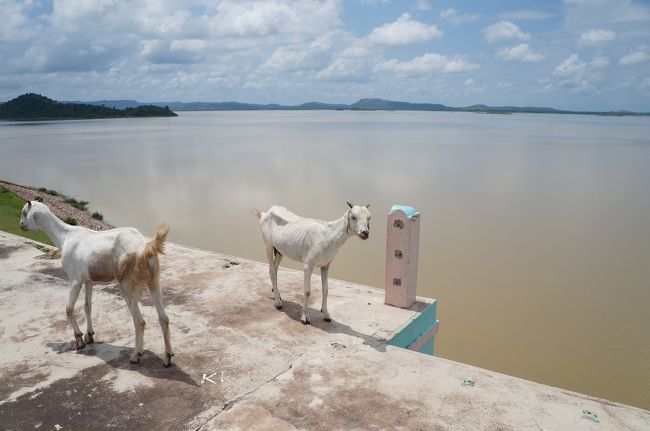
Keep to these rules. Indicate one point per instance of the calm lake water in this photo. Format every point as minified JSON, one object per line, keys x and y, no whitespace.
{"x":535,"y":234}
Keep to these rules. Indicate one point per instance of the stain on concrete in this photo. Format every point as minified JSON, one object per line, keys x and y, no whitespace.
{"x":345,"y":408}
{"x":88,"y":401}
{"x":57,"y":272}
{"x":8,"y":250}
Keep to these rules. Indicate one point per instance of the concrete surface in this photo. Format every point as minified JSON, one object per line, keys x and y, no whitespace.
{"x":266,"y":370}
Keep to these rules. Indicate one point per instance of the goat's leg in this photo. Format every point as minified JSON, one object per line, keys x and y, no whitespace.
{"x":138,"y":323}
{"x":323,"y":275}
{"x":270,"y":256}
{"x":156,"y":297}
{"x":308,"y":270}
{"x":273,"y":270}
{"x":69,"y":311}
{"x":88,"y":308}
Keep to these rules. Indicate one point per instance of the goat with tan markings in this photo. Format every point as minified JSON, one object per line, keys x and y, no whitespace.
{"x":89,"y":256}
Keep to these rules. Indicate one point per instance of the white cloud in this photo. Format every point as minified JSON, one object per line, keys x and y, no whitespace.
{"x":580,"y":76}
{"x":403,"y":31}
{"x":599,"y":61}
{"x":15,"y":25}
{"x":427,"y":63}
{"x":263,"y":18}
{"x":469,"y":82}
{"x":174,"y":52}
{"x":521,"y":52}
{"x":352,"y":64}
{"x":572,"y":66}
{"x":572,"y":73}
{"x":504,"y":30}
{"x":343,"y":69}
{"x":310,"y":56}
{"x":457,"y":19}
{"x":634,"y":58}
{"x":596,"y":37}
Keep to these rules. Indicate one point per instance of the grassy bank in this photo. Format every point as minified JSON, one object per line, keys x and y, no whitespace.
{"x":10,"y":206}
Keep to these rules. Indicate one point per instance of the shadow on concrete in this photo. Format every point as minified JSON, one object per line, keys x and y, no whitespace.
{"x":118,"y":357}
{"x":294,"y":311}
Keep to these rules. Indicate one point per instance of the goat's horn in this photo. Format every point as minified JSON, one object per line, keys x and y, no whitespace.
{"x":367,"y":205}
{"x":29,"y":204}
{"x":349,"y":204}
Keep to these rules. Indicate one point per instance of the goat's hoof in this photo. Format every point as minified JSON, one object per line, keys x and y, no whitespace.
{"x":304,"y":320}
{"x":168,"y":360}
{"x":89,"y":337}
{"x":326,"y":317}
{"x":79,"y":341}
{"x":135,"y":358}
{"x":278,"y":306}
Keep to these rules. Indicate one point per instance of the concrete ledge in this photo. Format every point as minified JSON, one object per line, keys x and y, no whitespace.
{"x":264,"y":369}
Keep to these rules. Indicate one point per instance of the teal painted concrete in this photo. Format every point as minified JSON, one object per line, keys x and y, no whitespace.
{"x":410,"y":212}
{"x":419,"y":326}
{"x":428,"y":348}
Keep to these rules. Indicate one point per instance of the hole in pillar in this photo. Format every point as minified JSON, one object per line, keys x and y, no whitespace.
{"x":397,"y":281}
{"x":398,"y":224}
{"x":398,"y":254}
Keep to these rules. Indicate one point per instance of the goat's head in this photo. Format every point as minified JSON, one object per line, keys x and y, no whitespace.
{"x":27,"y":217}
{"x":359,"y":220}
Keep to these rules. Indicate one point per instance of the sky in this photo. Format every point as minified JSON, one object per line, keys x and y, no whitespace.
{"x":567,"y":54}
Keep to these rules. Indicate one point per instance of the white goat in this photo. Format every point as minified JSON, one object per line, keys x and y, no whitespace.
{"x":89,"y":256}
{"x":312,"y":242}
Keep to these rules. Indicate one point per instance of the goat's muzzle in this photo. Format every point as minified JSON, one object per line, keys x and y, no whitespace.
{"x":364,"y":235}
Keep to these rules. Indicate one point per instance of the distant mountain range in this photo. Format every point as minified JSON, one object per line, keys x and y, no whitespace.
{"x":34,"y":107}
{"x":361,"y":105}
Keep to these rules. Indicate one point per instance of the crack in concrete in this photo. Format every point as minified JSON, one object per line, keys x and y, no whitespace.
{"x":230,"y":404}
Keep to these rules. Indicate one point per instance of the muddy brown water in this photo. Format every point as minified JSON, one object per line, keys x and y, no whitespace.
{"x":535,"y":234}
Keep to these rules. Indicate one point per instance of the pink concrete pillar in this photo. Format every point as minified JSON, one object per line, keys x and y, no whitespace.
{"x":402,"y":243}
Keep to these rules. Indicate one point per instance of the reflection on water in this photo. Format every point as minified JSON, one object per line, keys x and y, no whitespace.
{"x":534,"y":235}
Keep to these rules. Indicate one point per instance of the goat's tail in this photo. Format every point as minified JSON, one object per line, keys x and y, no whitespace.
{"x":156,"y":245}
{"x":257,"y":213}
{"x":139,"y":267}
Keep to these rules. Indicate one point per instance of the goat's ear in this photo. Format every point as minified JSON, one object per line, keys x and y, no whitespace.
{"x":367,"y":205}
{"x":349,"y":204}
{"x":29,"y":204}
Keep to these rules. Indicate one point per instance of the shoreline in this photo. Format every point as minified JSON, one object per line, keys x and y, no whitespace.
{"x":57,"y":205}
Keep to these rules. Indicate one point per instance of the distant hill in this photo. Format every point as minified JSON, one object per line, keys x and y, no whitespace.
{"x":381,"y":104}
{"x":377,"y":105}
{"x":33,"y":107}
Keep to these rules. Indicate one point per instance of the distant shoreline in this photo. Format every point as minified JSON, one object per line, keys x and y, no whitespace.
{"x":360,"y":105}
{"x":33,"y":107}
